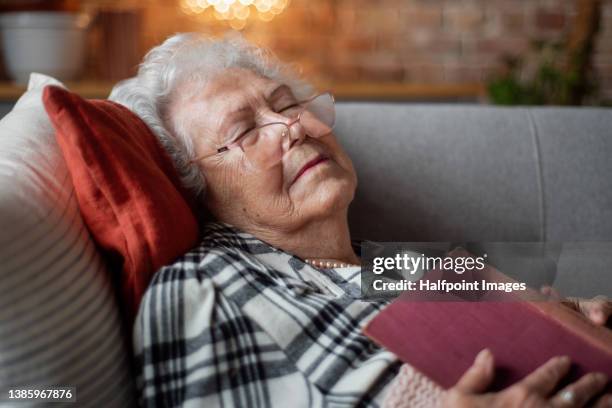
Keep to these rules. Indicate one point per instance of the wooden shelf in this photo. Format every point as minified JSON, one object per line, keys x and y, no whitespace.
{"x":88,"y":89}
{"x":405,"y":92}
{"x":342,"y":91}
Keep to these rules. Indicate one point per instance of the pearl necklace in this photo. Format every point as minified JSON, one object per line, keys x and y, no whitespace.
{"x":328,"y":264}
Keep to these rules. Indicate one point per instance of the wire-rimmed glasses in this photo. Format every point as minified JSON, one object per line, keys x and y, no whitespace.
{"x":262,"y":144}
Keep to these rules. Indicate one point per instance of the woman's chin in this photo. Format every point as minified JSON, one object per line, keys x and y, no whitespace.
{"x":329,"y":197}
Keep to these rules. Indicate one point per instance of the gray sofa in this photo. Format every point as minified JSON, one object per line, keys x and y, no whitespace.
{"x":475,"y":174}
{"x":456,"y":174}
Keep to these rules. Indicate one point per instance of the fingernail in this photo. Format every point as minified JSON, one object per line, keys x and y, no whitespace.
{"x":483,"y":357}
{"x":598,"y":316}
{"x":564,"y":360}
{"x":601,"y":378}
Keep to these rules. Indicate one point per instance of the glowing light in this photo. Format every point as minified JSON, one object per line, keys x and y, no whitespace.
{"x":237,"y":24}
{"x":266,"y":16}
{"x":242,"y":13}
{"x":221,"y":7}
{"x":262,"y":5}
{"x":235,"y":12}
{"x":186,"y":10}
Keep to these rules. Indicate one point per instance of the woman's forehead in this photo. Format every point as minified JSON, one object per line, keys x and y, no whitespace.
{"x":236,"y":82}
{"x":232,"y":92}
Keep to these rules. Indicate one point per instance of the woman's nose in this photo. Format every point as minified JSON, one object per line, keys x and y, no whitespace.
{"x":295,"y":135}
{"x":294,"y":132}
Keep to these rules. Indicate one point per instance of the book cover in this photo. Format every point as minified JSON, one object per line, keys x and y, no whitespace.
{"x":441,"y":339}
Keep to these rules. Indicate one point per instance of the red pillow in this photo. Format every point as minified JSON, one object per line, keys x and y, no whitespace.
{"x":127,"y":187}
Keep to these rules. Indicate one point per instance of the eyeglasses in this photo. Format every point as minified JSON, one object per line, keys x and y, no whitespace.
{"x":262,"y":145}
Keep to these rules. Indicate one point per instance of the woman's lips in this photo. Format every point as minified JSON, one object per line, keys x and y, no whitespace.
{"x":312,"y":163}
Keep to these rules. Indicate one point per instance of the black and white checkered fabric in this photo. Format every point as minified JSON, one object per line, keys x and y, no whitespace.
{"x":238,"y":323}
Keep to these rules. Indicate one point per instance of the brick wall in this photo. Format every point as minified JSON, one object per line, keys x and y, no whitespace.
{"x":415,"y":41}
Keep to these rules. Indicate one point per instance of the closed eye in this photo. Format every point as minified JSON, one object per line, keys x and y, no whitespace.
{"x":241,"y":135}
{"x":294,"y":108}
{"x":289,"y":107}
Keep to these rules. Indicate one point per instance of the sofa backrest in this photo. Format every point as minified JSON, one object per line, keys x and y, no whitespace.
{"x":474,"y":173}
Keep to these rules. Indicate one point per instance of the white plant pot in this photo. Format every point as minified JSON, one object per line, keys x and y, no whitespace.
{"x":52,"y":43}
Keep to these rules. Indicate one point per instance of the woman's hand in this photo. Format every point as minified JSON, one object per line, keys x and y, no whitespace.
{"x":598,"y":310}
{"x":535,"y":390}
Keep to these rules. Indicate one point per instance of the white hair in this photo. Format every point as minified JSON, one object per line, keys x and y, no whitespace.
{"x":192,"y":58}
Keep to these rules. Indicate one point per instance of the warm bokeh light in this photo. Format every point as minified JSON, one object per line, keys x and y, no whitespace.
{"x":235,"y":12}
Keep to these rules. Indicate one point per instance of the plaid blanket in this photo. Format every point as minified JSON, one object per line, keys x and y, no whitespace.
{"x":238,"y":323}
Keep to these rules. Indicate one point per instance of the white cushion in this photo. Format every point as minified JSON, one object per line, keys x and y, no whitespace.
{"x":59,"y":320}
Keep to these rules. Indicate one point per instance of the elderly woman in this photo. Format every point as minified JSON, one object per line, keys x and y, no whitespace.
{"x":264,"y":311}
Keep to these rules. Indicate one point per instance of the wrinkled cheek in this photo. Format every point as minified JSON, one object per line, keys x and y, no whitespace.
{"x":229,"y":182}
{"x":261,"y":188}
{"x":347,"y":164}
{"x":338,"y":152}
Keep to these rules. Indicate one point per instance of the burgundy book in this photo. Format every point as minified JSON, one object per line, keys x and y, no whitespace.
{"x":441,"y":339}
